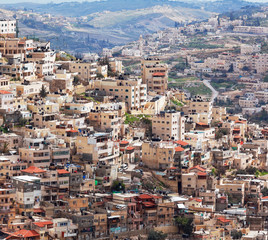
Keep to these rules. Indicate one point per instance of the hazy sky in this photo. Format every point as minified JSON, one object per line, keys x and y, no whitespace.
{"x":58,"y":1}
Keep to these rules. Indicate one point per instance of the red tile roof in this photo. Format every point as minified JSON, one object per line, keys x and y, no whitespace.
{"x":38,"y":210}
{"x":25,"y":233}
{"x":73,"y":131}
{"x":124,"y":142}
{"x":62,"y":171}
{"x":158,"y":74}
{"x":145,"y":196}
{"x":179,"y":149}
{"x":42,"y":224}
{"x":33,"y":169}
{"x":224,"y":220}
{"x":240,"y":121}
{"x":202,"y":124}
{"x":182,"y":143}
{"x":148,"y":204}
{"x":5,"y":92}
{"x":130,"y":148}
{"x":198,"y":168}
{"x":196,"y":199}
{"x":266,"y":197}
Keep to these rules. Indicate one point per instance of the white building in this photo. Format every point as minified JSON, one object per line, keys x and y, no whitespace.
{"x":8,"y":28}
{"x":6,"y":100}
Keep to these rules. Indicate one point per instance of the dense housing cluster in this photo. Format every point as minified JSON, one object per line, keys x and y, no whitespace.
{"x":90,"y":149}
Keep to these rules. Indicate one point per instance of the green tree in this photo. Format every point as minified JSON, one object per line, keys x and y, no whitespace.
{"x":264,"y":191}
{"x":220,"y":133}
{"x":265,"y":78}
{"x":185,"y":224}
{"x":76,"y":80}
{"x":231,"y":69}
{"x":155,"y":235}
{"x":118,"y":186}
{"x":236,"y":234}
{"x":99,"y":76}
{"x":43,"y":92}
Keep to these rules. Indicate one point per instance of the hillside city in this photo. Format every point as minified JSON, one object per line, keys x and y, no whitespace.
{"x":165,"y":137}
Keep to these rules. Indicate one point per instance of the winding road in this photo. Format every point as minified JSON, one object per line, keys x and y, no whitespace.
{"x":214,"y":92}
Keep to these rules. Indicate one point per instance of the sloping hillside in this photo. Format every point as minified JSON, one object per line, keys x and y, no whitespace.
{"x":178,"y":14}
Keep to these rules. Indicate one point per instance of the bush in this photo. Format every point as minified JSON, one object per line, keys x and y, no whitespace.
{"x":236,"y":234}
{"x":118,"y":186}
{"x":185,"y":224}
{"x":155,"y":235}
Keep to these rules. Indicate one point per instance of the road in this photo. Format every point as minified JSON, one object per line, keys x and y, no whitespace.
{"x":214,"y":92}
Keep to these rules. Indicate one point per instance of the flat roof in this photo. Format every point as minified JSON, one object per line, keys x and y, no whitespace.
{"x":125,"y":195}
{"x":26,"y":178}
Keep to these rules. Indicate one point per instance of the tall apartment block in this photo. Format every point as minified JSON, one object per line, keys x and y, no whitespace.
{"x":154,"y":74}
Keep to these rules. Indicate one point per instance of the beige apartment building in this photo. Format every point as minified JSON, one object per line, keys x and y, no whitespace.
{"x":158,"y":155}
{"x":201,"y":107}
{"x":236,"y":189}
{"x":35,"y":157}
{"x":16,"y":46}
{"x":248,"y":102}
{"x":260,"y":63}
{"x":47,"y":107}
{"x":19,"y":70}
{"x":168,"y":126}
{"x":10,"y":165}
{"x":7,"y":206}
{"x":97,"y":148}
{"x":106,"y":121}
{"x":249,"y":49}
{"x":194,"y":182}
{"x":5,"y":82}
{"x":189,"y":183}
{"x":262,"y":96}
{"x":218,"y":114}
{"x":154,"y":74}
{"x":85,"y":70}
{"x":131,"y":91}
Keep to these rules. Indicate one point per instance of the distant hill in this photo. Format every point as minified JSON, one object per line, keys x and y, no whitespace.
{"x":94,"y":25}
{"x":75,"y":9}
